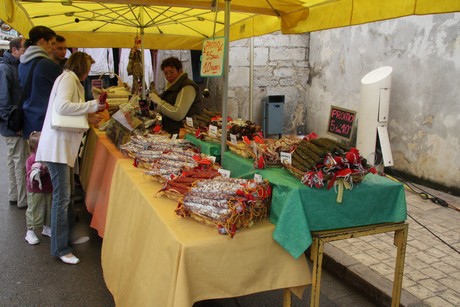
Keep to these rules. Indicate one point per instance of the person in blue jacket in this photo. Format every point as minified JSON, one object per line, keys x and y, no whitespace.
{"x":41,"y":42}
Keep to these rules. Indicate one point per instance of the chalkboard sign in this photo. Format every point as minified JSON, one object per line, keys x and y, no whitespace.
{"x":341,"y":122}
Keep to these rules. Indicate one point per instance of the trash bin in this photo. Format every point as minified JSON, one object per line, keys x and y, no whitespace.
{"x":273,"y":108}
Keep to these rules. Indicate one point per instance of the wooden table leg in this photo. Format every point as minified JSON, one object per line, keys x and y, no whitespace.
{"x":400,"y":240}
{"x":317,"y":258}
{"x":321,"y":237}
{"x":287,"y":298}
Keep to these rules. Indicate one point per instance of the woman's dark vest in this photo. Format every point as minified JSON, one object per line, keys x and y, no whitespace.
{"x":170,"y":95}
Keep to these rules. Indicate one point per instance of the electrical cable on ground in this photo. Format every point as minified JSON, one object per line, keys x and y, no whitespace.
{"x":424,"y":195}
{"x":435,"y":235}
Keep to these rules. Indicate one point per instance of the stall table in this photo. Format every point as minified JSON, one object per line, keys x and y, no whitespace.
{"x":150,"y":257}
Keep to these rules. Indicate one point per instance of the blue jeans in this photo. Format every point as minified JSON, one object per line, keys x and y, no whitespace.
{"x":62,"y":214}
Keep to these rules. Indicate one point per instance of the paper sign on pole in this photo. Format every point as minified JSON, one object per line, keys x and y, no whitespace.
{"x":212,"y":58}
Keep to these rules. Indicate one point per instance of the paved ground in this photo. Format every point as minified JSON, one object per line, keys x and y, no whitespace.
{"x":432,"y":266}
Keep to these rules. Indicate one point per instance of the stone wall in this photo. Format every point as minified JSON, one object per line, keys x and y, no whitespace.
{"x":280,"y":68}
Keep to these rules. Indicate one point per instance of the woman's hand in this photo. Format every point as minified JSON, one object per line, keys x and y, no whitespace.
{"x":102,"y":102}
{"x":101,"y":107}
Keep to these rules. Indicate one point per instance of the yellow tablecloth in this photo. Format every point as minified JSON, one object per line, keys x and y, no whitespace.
{"x":150,"y":257}
{"x":97,"y":166}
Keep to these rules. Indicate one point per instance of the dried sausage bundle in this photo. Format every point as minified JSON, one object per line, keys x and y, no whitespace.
{"x":226,"y":203}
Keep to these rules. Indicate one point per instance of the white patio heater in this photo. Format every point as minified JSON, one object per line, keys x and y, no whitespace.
{"x":373,"y":117}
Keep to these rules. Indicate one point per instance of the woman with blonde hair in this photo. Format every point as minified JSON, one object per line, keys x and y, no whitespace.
{"x":58,"y":149}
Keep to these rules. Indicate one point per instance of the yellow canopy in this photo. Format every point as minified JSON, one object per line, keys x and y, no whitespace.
{"x":342,"y":13}
{"x":163,"y":24}
{"x":169,"y":24}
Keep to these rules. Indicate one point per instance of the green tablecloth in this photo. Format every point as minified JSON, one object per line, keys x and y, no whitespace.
{"x":296,"y":209}
{"x":208,"y":148}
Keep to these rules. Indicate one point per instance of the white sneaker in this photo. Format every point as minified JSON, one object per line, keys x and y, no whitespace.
{"x":80,"y":240}
{"x":46,"y":231}
{"x":69,"y":259}
{"x":31,"y":238}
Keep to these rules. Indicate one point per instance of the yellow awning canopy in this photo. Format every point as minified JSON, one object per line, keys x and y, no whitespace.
{"x":342,"y":13}
{"x":168,"y":24}
{"x":164,"y":24}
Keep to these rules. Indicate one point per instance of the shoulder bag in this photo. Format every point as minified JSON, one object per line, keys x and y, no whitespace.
{"x":72,"y":123}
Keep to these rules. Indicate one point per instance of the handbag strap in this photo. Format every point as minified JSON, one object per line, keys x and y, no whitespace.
{"x":26,"y":90}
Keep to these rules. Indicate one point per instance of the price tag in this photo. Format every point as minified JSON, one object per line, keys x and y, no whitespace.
{"x":233,"y":139}
{"x":189,"y":121}
{"x":212,"y":159}
{"x":258,"y":178}
{"x":254,"y":147}
{"x":213,"y":130}
{"x":224,"y":172}
{"x":174,"y":136}
{"x":286,"y":157}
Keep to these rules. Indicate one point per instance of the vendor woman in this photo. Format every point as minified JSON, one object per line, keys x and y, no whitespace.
{"x":180,"y":99}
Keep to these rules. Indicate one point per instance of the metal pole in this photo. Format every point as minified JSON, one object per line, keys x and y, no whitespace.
{"x":141,"y":18}
{"x":225,"y":85}
{"x":251,"y":79}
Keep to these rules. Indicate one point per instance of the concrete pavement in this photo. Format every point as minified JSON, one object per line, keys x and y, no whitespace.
{"x":432,"y":266}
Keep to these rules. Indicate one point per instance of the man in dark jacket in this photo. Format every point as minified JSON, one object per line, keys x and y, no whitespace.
{"x":17,"y":146}
{"x":41,"y":42}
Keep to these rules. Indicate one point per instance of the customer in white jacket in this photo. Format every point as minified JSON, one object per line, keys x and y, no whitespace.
{"x":58,"y":149}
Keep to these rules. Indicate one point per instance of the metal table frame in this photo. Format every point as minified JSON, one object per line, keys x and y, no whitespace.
{"x":322,"y":237}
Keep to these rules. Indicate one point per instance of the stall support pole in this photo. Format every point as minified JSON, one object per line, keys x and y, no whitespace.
{"x":322,"y":237}
{"x":223,"y":141}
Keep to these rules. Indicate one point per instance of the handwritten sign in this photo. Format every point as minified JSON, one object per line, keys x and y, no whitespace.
{"x":341,"y":122}
{"x":233,"y":139}
{"x":286,"y":157}
{"x":189,"y":121}
{"x":213,"y":130}
{"x":212,"y":58}
{"x":224,"y":172}
{"x":258,"y":178}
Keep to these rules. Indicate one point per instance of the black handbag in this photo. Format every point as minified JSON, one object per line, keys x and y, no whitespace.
{"x":16,"y":115}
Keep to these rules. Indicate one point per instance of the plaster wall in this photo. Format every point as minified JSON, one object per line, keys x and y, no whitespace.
{"x":424,"y":117}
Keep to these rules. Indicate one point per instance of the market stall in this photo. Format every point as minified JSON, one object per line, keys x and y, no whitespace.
{"x":134,"y":217}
